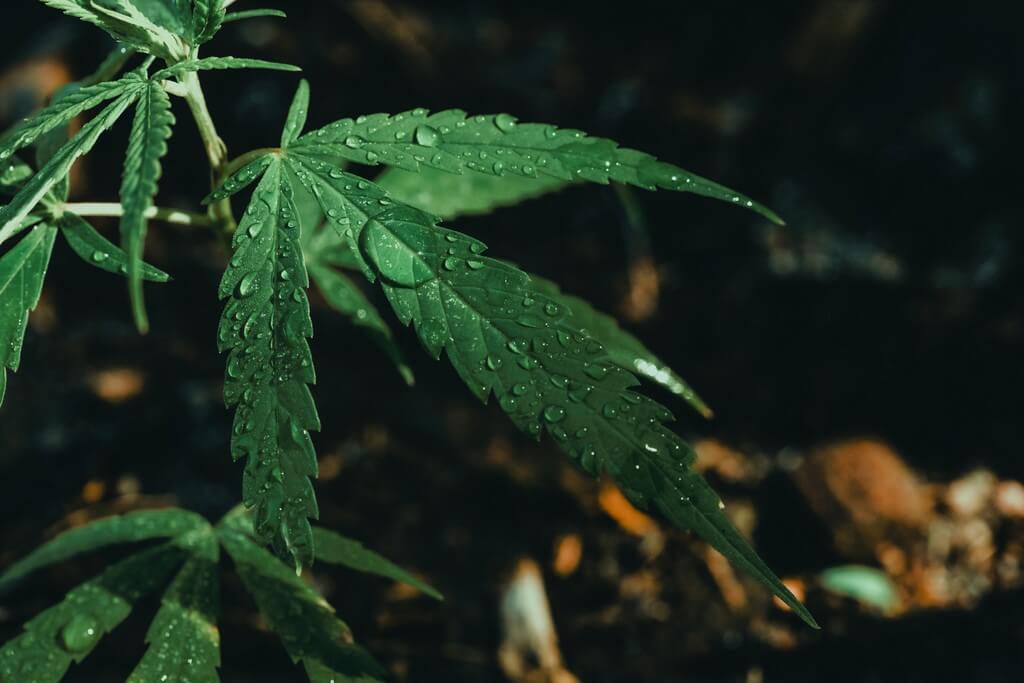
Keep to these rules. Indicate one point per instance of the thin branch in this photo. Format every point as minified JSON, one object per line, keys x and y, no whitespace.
{"x":115,"y":210}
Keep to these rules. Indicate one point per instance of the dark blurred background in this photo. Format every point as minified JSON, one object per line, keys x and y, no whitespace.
{"x":864,"y":361}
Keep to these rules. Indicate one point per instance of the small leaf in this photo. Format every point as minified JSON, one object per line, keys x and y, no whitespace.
{"x":867,"y":585}
{"x":207,"y":17}
{"x":498,"y":145}
{"x":336,"y":549}
{"x":184,"y":643}
{"x":130,"y":528}
{"x":296,"y":115}
{"x":308,"y":627}
{"x":22,"y":271}
{"x":345,"y":297}
{"x":264,"y":331}
{"x":62,"y":111}
{"x":70,"y":630}
{"x":98,"y":251}
{"x":448,"y":195}
{"x":60,"y":165}
{"x":147,"y":145}
{"x":128,"y":24}
{"x":255,"y":14}
{"x":219,"y":64}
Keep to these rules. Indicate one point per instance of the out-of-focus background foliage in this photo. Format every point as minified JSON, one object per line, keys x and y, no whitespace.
{"x":864,"y":362}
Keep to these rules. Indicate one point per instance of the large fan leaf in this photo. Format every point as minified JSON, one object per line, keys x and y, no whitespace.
{"x":98,"y":251}
{"x":505,"y":336}
{"x":130,"y":528}
{"x":497,"y":145}
{"x":336,"y":549}
{"x":22,"y":271}
{"x":184,"y":643}
{"x":59,"y":166}
{"x":147,"y":145}
{"x":264,"y":330}
{"x":69,"y":631}
{"x":308,"y":627}
{"x":449,"y":195}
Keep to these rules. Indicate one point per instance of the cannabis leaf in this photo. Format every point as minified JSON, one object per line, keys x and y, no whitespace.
{"x":22,"y":271}
{"x":219,"y":64}
{"x":498,"y":145}
{"x":184,"y":640}
{"x":98,"y":251}
{"x":147,"y":144}
{"x":336,"y":549}
{"x":69,"y":631}
{"x":448,"y":195}
{"x":207,"y":17}
{"x":130,"y":528}
{"x":63,"y":110}
{"x":127,"y":23}
{"x":309,"y":629}
{"x":504,"y":335}
{"x":254,"y":14}
{"x":264,"y":330}
{"x":59,"y":166}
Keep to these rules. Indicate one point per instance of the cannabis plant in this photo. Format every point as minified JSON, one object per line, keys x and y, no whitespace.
{"x":553,"y":363}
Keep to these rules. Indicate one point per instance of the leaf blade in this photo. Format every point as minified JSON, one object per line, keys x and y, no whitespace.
{"x":129,"y":528}
{"x":498,"y":144}
{"x":264,"y":330}
{"x":60,"y":165}
{"x":334,"y":548}
{"x":98,"y":251}
{"x":309,"y":628}
{"x":220,"y":64}
{"x":297,"y":114}
{"x":22,"y":271}
{"x":147,"y":145}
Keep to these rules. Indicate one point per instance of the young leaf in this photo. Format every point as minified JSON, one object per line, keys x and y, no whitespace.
{"x":624,"y":350}
{"x":130,"y":528}
{"x":297,"y":114}
{"x":60,"y":165}
{"x":207,"y":17}
{"x":62,"y":111}
{"x":309,"y":629}
{"x":504,"y":336}
{"x":69,"y":631}
{"x":219,"y":64}
{"x":345,"y":297}
{"x":147,"y":144}
{"x":448,"y":195}
{"x":184,"y":643}
{"x":254,"y":14}
{"x":22,"y":271}
{"x":497,"y":145}
{"x":336,"y":549}
{"x":98,"y":251}
{"x":241,"y":179}
{"x":264,"y":330}
{"x":128,"y":24}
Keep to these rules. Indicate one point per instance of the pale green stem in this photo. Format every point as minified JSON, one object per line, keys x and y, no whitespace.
{"x":115,"y":210}
{"x":216,"y":150}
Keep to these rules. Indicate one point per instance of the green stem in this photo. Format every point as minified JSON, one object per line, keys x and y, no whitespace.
{"x":216,"y":150}
{"x":114,"y":210}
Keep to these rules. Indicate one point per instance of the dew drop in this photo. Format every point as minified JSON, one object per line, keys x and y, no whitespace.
{"x":554,"y":413}
{"x":99,"y":256}
{"x":427,"y":136}
{"x":248,"y":285}
{"x":80,"y":633}
{"x":354,"y":142}
{"x":505,"y":122}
